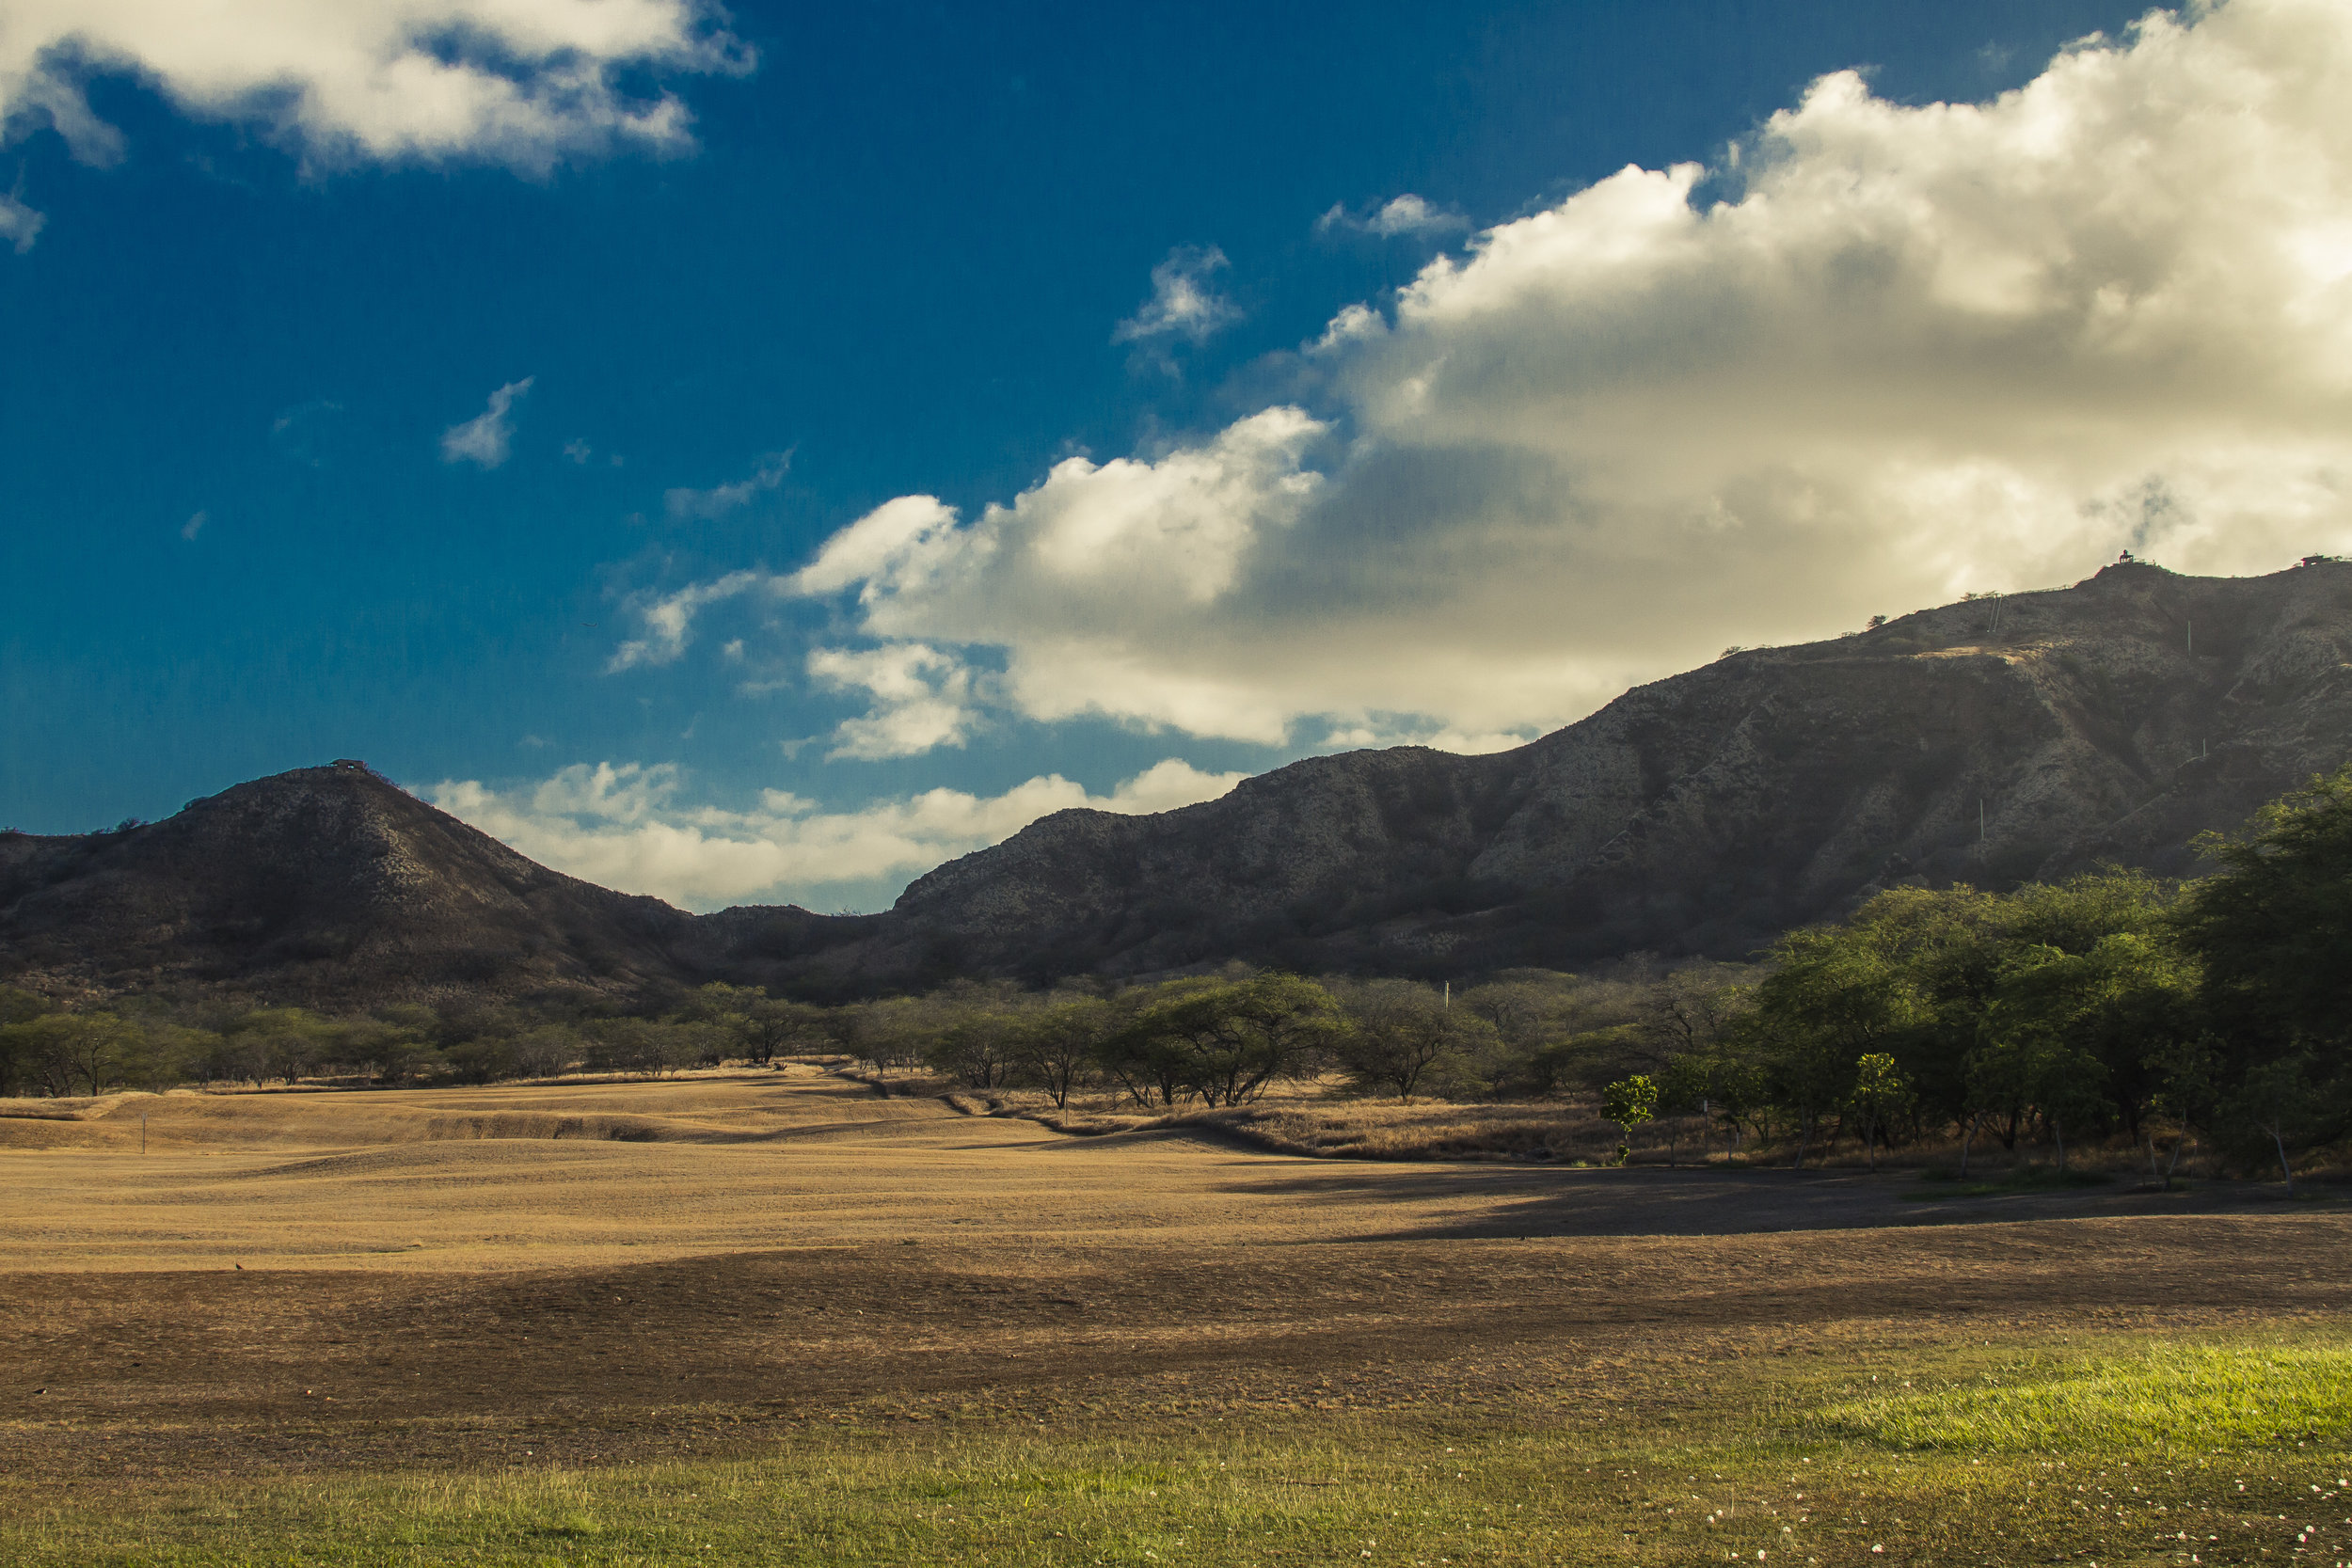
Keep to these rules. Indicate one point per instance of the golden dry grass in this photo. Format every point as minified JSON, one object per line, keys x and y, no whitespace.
{"x":763,"y":1267}
{"x":545,"y":1175}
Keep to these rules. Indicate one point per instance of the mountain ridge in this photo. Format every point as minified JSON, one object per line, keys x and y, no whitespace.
{"x":1710,"y":811}
{"x":1993,"y":740}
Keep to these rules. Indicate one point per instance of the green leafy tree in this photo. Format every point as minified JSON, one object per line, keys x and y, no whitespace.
{"x":1879,"y":1095}
{"x":2038,"y":1028}
{"x":1838,"y":995}
{"x":2274,"y":927}
{"x":2071,"y":1027}
{"x":1629,"y":1103}
{"x":1223,"y":1042}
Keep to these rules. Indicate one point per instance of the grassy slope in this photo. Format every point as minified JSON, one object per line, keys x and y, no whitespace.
{"x":2145,"y":1449}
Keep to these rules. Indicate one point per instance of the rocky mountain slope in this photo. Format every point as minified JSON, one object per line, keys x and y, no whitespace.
{"x":1989,"y":741}
{"x":318,"y":885}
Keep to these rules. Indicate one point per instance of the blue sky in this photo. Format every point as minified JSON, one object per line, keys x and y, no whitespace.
{"x":610,"y":460}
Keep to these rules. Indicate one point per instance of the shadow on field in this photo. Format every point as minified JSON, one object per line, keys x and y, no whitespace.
{"x":1650,"y":1202}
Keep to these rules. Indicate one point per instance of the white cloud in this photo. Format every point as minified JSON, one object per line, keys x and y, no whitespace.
{"x":194,"y":525}
{"x":20,"y":226}
{"x":522,"y":82}
{"x":577,"y":450}
{"x":1183,"y":303}
{"x":621,"y":826}
{"x":922,"y":699}
{"x":1406,"y":214}
{"x":485,"y":439}
{"x":1881,"y":355}
{"x":683,"y":504}
{"x":669,"y":620}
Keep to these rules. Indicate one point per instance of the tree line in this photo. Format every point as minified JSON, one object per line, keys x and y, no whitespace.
{"x":2108,"y":1004}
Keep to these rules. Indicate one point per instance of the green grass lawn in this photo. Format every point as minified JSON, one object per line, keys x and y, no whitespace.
{"x":2137,"y":1449}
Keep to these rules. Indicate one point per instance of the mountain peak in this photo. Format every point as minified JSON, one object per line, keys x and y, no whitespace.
{"x":313,"y":882}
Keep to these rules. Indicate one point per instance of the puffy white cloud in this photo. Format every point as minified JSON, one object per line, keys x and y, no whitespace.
{"x":669,"y":620}
{"x":1879,"y":356}
{"x":620,"y":825}
{"x":922,"y":698}
{"x":1099,"y":556}
{"x":485,"y":439}
{"x":524,"y":83}
{"x":1183,"y":303}
{"x":717,"y":501}
{"x":1404,"y":214}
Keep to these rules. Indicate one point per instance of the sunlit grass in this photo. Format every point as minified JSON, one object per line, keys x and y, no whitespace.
{"x":1292,"y":1493}
{"x":2204,"y":1397}
{"x":2026,"y":1451}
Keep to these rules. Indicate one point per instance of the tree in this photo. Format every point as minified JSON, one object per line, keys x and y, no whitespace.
{"x":2185,"y":1071}
{"x":63,"y":1053}
{"x":652,"y":1048}
{"x":1055,"y":1047}
{"x":2274,"y":930}
{"x":1406,"y":1038}
{"x":2067,"y":1025}
{"x":978,"y":1048}
{"x":1687,"y":1013}
{"x":17,"y":1006}
{"x":1838,"y":995}
{"x":1225,"y":1041}
{"x":1687,"y":1087}
{"x":1629,"y":1102}
{"x":546,"y":1051}
{"x":1879,"y":1094}
{"x":2274,"y":927}
{"x":757,"y":1025}
{"x":2277,"y":1100}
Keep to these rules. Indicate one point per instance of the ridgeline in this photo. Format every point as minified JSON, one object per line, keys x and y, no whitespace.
{"x":1993,"y":741}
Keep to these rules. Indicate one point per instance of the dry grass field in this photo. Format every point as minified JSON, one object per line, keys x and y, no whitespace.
{"x":775,"y":1316}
